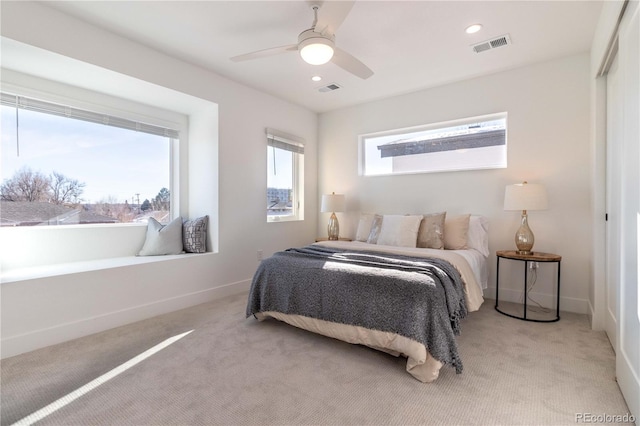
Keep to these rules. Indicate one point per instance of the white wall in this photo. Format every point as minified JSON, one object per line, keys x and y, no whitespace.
{"x":548,"y":143}
{"x":40,"y":312}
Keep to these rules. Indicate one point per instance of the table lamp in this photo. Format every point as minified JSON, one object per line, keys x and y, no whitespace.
{"x":525,"y":196}
{"x":333,"y":203}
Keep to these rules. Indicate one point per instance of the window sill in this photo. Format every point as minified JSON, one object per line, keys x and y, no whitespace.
{"x":277,"y":219}
{"x":36,"y":272}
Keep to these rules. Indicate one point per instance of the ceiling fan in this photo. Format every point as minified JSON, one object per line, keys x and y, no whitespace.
{"x":317,"y":44}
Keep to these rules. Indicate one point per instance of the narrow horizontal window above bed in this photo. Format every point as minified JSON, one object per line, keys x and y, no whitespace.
{"x":467,"y":144}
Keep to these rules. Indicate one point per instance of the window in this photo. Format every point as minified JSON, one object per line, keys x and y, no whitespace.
{"x":285,"y":171}
{"x":63,"y":165}
{"x":473,"y":143}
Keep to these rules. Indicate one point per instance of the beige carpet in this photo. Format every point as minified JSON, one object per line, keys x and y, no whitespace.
{"x":232,"y":370}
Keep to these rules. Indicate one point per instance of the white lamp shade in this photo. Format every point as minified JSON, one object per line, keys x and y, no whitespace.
{"x":332,"y":203}
{"x":525,"y":196}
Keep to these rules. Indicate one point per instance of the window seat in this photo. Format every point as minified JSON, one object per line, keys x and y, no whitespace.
{"x":44,"y":271}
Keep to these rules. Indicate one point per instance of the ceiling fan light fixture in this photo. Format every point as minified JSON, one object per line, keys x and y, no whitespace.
{"x":315,"y":49}
{"x":317,"y":53}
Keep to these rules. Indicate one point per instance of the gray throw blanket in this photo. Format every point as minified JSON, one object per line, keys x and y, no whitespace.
{"x":421,"y":299}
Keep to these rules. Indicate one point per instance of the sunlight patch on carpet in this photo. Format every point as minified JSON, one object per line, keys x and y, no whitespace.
{"x":70,"y":397}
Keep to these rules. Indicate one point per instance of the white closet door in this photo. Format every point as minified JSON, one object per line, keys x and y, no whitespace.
{"x":628,"y":354}
{"x":614,"y":203}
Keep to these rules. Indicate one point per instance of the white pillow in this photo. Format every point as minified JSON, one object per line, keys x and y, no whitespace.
{"x":478,"y":235}
{"x":400,"y":231}
{"x":162,"y":239}
{"x":364,"y":226}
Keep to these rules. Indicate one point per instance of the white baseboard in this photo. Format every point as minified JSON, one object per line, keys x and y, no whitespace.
{"x":567,"y":304}
{"x":37,"y":339}
{"x":591,"y":314}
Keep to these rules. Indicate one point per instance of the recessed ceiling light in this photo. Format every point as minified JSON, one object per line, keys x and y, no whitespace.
{"x":316,"y":78}
{"x":473,"y":28}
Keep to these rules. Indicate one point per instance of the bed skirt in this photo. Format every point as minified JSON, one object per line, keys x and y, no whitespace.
{"x":420,"y":364}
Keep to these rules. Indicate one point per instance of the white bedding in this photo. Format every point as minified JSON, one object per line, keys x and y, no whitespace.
{"x":478,"y":263}
{"x":420,"y":364}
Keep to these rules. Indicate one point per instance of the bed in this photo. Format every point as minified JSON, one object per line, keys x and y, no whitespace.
{"x":406,"y":301}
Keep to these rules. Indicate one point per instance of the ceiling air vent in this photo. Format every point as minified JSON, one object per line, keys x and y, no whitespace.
{"x":330,"y":87}
{"x":491,"y":44}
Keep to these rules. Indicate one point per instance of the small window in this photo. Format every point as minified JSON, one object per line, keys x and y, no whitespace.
{"x":62,"y":165}
{"x":285,"y":171}
{"x":474,"y":143}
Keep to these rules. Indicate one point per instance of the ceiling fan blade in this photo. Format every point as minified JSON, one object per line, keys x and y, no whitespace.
{"x":265,"y":52}
{"x":331,"y":15}
{"x":349,"y":63}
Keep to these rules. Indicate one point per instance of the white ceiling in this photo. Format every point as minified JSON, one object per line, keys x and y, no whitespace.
{"x":410,"y":45}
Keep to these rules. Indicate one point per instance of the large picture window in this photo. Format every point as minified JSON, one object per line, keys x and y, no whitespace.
{"x":63,"y":165}
{"x":285,"y":171}
{"x":472,"y":143}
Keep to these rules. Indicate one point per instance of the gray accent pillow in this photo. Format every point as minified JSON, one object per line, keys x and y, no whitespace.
{"x":194,"y":235}
{"x":431,"y":232}
{"x":162,"y":240}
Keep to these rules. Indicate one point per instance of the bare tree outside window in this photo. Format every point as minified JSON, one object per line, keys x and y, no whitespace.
{"x":26,"y":185}
{"x":65,"y":190}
